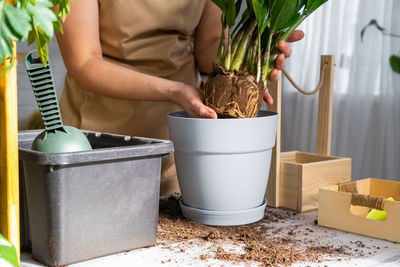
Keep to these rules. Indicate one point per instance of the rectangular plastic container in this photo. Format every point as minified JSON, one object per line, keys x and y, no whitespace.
{"x":88,"y":204}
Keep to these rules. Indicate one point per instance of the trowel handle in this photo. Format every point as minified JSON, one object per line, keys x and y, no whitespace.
{"x":43,"y":86}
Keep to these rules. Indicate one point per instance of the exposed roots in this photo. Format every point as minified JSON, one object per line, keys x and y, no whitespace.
{"x":233,"y":94}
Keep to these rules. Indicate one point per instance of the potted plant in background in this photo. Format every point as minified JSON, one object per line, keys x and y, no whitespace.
{"x":223,"y":164}
{"x":394,"y":60}
{"x":31,"y":21}
{"x":20,"y":20}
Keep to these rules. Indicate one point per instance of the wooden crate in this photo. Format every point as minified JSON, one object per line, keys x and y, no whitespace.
{"x":302,"y":174}
{"x":346,"y":206}
{"x":296,"y":177}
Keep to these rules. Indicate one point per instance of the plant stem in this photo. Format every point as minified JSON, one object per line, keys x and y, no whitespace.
{"x":253,"y":58}
{"x":221,"y":47}
{"x":289,"y":31}
{"x":258,"y":42}
{"x":228,"y":53}
{"x":242,"y":23}
{"x":236,"y":40}
{"x":265,"y":65}
{"x":272,"y":52}
{"x":244,"y":44}
{"x":247,"y":60}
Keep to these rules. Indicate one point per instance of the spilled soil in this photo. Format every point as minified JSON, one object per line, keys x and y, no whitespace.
{"x":262,"y":242}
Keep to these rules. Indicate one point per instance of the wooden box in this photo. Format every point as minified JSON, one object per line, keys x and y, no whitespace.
{"x":346,"y":206}
{"x":302,"y":174}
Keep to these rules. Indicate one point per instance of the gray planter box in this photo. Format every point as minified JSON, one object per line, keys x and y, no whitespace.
{"x":83,"y":205}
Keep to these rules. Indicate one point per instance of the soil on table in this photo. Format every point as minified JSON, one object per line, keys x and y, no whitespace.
{"x":233,"y":94}
{"x":261,"y":241}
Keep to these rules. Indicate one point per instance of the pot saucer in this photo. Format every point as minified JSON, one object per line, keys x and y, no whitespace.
{"x":223,"y":218}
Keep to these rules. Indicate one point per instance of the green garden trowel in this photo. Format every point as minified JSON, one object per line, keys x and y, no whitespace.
{"x":56,"y":137}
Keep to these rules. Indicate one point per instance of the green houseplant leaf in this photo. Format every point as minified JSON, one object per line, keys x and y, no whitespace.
{"x":14,"y":25}
{"x":221,"y":4}
{"x":43,"y":15}
{"x":395,"y":63}
{"x":230,"y":13}
{"x":282,"y":13}
{"x":300,"y":4}
{"x":254,"y":40}
{"x":16,"y":22}
{"x":8,"y":254}
{"x":32,"y":20}
{"x":312,"y":5}
{"x":372,"y":23}
{"x":63,"y":8}
{"x":394,"y":60}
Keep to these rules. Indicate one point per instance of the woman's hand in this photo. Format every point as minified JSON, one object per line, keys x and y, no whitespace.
{"x":280,"y":60}
{"x":190,"y":98}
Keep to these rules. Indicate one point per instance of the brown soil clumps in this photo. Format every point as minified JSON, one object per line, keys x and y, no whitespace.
{"x":259,"y":246}
{"x":233,"y":94}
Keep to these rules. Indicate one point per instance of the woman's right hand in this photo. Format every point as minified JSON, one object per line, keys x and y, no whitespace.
{"x":190,"y":98}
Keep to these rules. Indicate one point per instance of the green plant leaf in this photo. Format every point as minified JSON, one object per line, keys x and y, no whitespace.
{"x":238,"y":5}
{"x":8,"y":67}
{"x":395,"y":63}
{"x":372,"y":23}
{"x":43,"y":23}
{"x":16,"y":22}
{"x":57,"y":26}
{"x":31,"y":37}
{"x":43,"y":15}
{"x":300,"y":4}
{"x":312,"y":5}
{"x":250,"y":8}
{"x":41,"y":44}
{"x":282,"y":13}
{"x":33,"y":20}
{"x":63,"y":8}
{"x":23,"y":2}
{"x":260,"y":8}
{"x":264,"y":25}
{"x":257,"y":8}
{"x":290,"y":23}
{"x":230,"y":13}
{"x":242,"y":21}
{"x":8,"y":254}
{"x":14,"y":25}
{"x":221,"y":4}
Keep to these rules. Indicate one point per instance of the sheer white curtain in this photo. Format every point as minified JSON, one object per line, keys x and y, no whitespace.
{"x":366,"y":115}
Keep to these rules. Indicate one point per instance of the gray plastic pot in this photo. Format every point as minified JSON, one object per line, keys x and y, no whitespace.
{"x":223,"y":166}
{"x":88,"y":204}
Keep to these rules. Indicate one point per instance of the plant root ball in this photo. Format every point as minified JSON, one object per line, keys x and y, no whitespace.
{"x":233,"y":94}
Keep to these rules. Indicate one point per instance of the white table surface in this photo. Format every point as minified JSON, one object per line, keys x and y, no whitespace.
{"x":375,"y":253}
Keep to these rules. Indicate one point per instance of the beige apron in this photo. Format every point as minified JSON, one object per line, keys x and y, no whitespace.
{"x":150,"y":36}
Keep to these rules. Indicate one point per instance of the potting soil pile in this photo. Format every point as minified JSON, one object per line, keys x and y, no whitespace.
{"x":280,"y":238}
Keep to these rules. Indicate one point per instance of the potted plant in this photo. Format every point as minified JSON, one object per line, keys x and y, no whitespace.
{"x":223,"y":164}
{"x":31,"y":21}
